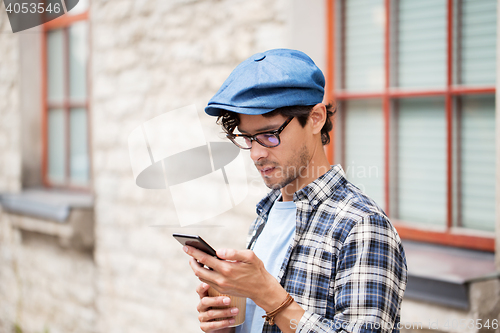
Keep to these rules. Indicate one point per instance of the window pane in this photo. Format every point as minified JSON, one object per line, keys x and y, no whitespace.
{"x":421,"y":55}
{"x":477,"y":167}
{"x":55,"y":65}
{"x":364,"y":45}
{"x":421,"y":159}
{"x":56,"y":148}
{"x":478,"y":44}
{"x":364,"y":147}
{"x":79,"y":160}
{"x":78,"y":60}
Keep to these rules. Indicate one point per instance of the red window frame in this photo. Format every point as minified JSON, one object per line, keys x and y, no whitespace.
{"x":63,"y":22}
{"x":449,"y":236}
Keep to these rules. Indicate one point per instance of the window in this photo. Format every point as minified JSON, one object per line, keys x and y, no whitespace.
{"x":66,"y":108}
{"x":414,"y":83}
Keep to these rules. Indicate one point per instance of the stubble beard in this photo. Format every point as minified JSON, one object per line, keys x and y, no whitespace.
{"x":289,"y":173}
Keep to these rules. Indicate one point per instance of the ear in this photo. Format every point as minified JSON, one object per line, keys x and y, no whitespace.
{"x":317,"y":117}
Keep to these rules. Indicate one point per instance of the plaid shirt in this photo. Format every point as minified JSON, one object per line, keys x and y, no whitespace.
{"x":346,"y":266}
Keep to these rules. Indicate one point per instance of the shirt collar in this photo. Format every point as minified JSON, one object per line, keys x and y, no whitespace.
{"x":314,"y":193}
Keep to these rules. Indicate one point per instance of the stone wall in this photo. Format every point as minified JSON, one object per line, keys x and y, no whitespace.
{"x":43,"y":286}
{"x":148,"y":58}
{"x":9,"y":106}
{"x":9,"y":154}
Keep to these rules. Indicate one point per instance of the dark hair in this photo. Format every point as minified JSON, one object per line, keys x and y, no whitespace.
{"x":230,"y":120}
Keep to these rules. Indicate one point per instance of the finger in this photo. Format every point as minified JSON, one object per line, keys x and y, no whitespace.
{"x":213,"y":302}
{"x":202,"y":257}
{"x":205,"y":275}
{"x":216,"y":325}
{"x":236,"y":255}
{"x":202,"y":289}
{"x":217,"y":314}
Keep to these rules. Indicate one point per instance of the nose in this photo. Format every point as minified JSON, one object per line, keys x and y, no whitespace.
{"x":258,"y":151}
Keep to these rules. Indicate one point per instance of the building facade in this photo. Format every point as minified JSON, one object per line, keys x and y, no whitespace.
{"x":84,"y":249}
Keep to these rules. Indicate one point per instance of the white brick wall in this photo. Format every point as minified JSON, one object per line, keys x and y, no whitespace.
{"x":42,"y":286}
{"x":9,"y":104}
{"x":149,"y":58}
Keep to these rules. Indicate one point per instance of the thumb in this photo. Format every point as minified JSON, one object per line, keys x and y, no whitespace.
{"x":225,"y":254}
{"x":233,"y":255}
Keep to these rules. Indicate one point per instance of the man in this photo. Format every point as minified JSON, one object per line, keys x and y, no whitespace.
{"x":322,"y":256}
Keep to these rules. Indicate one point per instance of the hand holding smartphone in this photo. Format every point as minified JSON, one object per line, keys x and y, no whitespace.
{"x":238,"y":302}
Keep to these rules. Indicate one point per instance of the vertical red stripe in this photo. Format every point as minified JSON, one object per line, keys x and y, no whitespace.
{"x":87,"y":105}
{"x":449,"y":118}
{"x":67,"y":107}
{"x":330,"y":70}
{"x":342,"y":44}
{"x":386,"y":106}
{"x":44,"y":109}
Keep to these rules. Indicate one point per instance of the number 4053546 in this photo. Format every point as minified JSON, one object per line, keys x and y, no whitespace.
{"x":33,"y":8}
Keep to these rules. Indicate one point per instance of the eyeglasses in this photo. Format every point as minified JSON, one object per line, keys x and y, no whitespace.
{"x":267,"y":139}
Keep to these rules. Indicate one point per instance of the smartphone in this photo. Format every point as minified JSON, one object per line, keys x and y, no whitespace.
{"x":195,"y":241}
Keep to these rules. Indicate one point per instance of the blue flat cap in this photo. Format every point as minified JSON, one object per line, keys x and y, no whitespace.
{"x":267,"y":81}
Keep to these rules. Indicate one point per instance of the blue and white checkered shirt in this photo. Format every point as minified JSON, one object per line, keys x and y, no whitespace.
{"x":346,"y":266}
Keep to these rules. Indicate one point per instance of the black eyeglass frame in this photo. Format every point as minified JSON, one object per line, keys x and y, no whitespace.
{"x":252,"y":138}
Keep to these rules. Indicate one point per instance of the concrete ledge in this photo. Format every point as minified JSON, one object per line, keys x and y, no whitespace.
{"x":67,"y":216}
{"x":430,"y":290}
{"x":443,"y":275}
{"x":45,"y":204}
